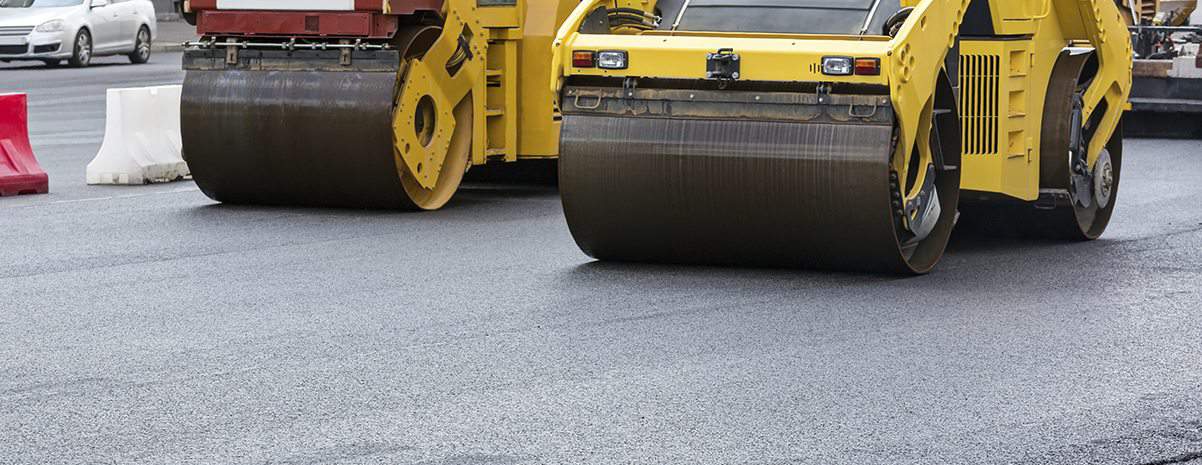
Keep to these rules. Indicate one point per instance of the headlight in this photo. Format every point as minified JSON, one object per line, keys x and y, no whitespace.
{"x":53,"y":25}
{"x":837,"y":66}
{"x":611,"y":60}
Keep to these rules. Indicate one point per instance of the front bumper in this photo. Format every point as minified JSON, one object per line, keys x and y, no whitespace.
{"x":37,"y":46}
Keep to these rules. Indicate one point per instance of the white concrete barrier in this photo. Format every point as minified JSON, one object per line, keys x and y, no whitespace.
{"x":142,"y":141}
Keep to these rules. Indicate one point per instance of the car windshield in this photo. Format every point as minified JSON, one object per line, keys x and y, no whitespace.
{"x":38,"y":3}
{"x":835,"y":17}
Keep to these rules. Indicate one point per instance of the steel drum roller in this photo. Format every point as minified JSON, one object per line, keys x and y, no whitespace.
{"x":292,"y":137}
{"x":309,"y":127}
{"x":739,"y":178}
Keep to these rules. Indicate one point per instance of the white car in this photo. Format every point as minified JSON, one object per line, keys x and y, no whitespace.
{"x":76,"y":30}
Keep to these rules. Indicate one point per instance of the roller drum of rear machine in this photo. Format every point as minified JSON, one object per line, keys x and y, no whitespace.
{"x":281,"y":128}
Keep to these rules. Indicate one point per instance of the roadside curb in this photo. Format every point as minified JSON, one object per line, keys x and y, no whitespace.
{"x":172,"y":35}
{"x":167,"y":48}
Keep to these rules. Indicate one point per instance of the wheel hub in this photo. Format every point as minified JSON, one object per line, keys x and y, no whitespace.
{"x":85,"y":49}
{"x":921,"y":214}
{"x":1103,"y":179}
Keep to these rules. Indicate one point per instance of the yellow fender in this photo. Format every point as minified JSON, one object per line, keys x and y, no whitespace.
{"x":1101,"y":24}
{"x":567,"y":33}
{"x":916,"y":56}
{"x":423,"y":152}
{"x":914,"y":61}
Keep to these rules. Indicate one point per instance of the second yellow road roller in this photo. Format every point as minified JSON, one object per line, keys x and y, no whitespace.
{"x":836,"y":134}
{"x":366,"y":103}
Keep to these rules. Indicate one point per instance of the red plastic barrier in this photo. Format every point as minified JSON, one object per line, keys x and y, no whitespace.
{"x":20,"y":172}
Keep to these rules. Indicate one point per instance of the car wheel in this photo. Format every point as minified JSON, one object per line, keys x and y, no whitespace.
{"x":52,"y":62}
{"x":141,"y":53}
{"x":82,"y":55}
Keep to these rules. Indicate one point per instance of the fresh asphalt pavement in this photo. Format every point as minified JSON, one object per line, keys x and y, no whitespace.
{"x":150,"y":325}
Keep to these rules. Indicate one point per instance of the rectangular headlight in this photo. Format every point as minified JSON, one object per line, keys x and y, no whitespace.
{"x":611,"y":59}
{"x":838,"y":66}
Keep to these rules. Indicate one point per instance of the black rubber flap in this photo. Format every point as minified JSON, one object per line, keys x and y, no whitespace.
{"x":292,"y":137}
{"x":642,"y":185}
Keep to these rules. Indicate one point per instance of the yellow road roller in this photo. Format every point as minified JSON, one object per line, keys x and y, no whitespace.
{"x":364,"y":103}
{"x":836,"y":134}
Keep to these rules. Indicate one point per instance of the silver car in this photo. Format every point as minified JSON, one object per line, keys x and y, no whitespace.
{"x":75,"y":30}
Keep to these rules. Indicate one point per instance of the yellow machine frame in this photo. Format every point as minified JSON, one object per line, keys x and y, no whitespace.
{"x":500,"y":79}
{"x":1001,"y":138}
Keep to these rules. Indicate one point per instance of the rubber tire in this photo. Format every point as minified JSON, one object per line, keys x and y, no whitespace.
{"x":139,"y":58}
{"x":77,"y":61}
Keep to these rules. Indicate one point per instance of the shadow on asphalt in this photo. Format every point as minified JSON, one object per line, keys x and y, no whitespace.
{"x":219,"y":209}
{"x":496,"y":201}
{"x":966,"y":240}
{"x":524,"y":172}
{"x":507,"y":191}
{"x":968,"y":249}
{"x":470,"y":197}
{"x":624,"y":271}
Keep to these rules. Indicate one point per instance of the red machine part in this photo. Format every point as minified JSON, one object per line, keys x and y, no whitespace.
{"x":295,"y":24}
{"x":366,"y":21}
{"x":397,"y":7}
{"x":20,"y":172}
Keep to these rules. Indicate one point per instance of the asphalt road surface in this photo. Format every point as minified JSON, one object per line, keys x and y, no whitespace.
{"x":150,"y":325}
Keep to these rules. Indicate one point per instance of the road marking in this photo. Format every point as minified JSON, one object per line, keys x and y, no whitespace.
{"x":38,"y":135}
{"x":126,"y":196}
{"x":65,"y":142}
{"x":179,"y":190}
{"x":65,"y":138}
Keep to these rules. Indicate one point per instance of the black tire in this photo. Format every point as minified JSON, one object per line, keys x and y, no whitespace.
{"x":141,"y":53}
{"x":81,"y":54}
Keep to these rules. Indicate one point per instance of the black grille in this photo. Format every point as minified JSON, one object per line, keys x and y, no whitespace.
{"x":45,"y":48}
{"x":13,"y":49}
